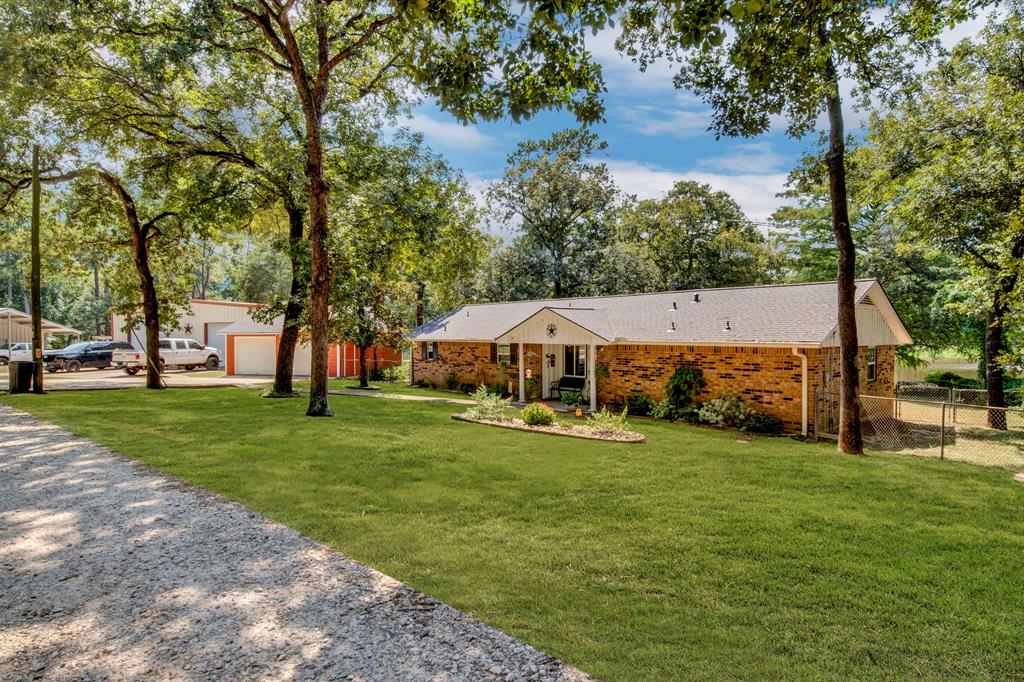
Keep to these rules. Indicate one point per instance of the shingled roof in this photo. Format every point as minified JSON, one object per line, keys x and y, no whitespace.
{"x":804,"y":314}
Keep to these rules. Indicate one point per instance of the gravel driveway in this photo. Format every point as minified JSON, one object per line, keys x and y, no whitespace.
{"x":111,"y":570}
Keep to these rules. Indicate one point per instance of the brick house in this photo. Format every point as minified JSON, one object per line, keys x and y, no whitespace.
{"x":774,"y":346}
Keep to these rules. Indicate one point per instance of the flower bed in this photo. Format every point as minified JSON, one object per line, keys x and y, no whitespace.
{"x":560,"y":429}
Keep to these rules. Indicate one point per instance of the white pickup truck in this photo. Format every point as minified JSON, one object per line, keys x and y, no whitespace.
{"x":185,"y":353}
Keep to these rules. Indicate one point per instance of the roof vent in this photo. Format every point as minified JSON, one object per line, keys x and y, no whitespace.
{"x":445,"y":327}
{"x":674,"y":306}
{"x":696,"y":298}
{"x":671,"y":326}
{"x":467,"y":313}
{"x":727,"y":327}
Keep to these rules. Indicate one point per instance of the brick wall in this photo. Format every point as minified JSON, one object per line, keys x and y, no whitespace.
{"x":470,"y":363}
{"x":766,"y":378}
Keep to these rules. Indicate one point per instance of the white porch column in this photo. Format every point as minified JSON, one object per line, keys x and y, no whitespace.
{"x":592,"y":372}
{"x":522,"y":374}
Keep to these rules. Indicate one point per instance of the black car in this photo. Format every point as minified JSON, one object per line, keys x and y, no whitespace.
{"x":85,"y":354}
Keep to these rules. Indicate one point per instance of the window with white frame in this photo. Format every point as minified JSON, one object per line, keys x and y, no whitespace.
{"x":575,"y":361}
{"x":428,"y":350}
{"x":505,"y":353}
{"x":872,"y":364}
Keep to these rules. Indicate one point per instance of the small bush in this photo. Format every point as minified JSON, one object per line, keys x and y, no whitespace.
{"x":763,"y":423}
{"x":951,"y":380}
{"x":690,"y":415}
{"x":728,"y":411}
{"x":608,"y":422}
{"x":639,"y":405}
{"x":532,"y":389}
{"x":489,"y":406}
{"x":468,"y":389}
{"x":450,"y":382}
{"x":394,"y":375}
{"x":572,"y":399}
{"x":683,"y":386}
{"x":663,"y":410}
{"x":538,"y":414}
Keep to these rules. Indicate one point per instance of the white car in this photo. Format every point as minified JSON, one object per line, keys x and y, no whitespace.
{"x":186,"y":353}
{"x":18,"y":352}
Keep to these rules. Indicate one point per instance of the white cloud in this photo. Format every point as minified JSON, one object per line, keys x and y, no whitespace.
{"x":656,"y":121}
{"x":754,"y":192}
{"x":622,"y":73}
{"x":759,"y":157}
{"x":448,"y":134}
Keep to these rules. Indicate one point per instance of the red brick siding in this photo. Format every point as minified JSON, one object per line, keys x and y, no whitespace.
{"x":470,"y":363}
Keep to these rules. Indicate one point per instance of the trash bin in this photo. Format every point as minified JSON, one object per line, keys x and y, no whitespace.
{"x":20,"y":378}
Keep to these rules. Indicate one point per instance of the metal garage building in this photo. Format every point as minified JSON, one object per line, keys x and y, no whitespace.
{"x":205,"y":323}
{"x":252,"y":349}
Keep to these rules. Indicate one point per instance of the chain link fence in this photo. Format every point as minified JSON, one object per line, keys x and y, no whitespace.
{"x":962,"y":431}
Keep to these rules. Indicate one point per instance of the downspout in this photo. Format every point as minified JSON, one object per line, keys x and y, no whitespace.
{"x":803,"y":389}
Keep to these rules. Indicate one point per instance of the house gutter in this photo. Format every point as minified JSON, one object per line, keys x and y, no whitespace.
{"x":803,"y":390}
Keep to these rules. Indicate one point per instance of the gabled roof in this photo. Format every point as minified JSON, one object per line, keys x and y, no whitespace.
{"x":785,"y":314}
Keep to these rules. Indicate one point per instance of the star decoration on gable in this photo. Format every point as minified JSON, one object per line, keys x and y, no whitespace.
{"x":552,"y":330}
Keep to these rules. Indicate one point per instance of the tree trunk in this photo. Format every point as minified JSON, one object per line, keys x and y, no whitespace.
{"x":293,"y":310}
{"x":994,"y":348}
{"x":850,"y":437}
{"x":37,"y":295}
{"x":421,"y":289}
{"x":364,"y":374}
{"x":320,"y":288}
{"x":140,"y":253}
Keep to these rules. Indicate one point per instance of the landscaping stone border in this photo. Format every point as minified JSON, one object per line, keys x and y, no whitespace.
{"x":519,"y":425}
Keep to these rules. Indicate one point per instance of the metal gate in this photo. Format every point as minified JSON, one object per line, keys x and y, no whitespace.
{"x":826,"y":399}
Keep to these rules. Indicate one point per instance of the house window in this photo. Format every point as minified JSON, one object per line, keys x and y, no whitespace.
{"x":428,"y":350}
{"x":872,"y":364}
{"x":505,"y":353}
{"x":575,"y":361}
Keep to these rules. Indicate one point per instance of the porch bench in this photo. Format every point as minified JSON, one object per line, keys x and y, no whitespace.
{"x":567,"y":384}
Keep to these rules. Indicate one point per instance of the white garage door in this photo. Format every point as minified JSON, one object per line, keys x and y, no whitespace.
{"x":303,"y":361}
{"x":216,"y":339}
{"x":255,"y":355}
{"x":258,"y":355}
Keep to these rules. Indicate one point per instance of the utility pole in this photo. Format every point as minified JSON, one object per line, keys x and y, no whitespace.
{"x":37,"y":297}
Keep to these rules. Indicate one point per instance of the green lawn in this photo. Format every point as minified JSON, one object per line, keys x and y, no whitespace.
{"x":385,"y":387}
{"x":694,"y":555}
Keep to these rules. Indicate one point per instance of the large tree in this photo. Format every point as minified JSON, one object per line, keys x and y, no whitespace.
{"x":561,"y":201}
{"x":752,"y":60}
{"x":951,"y":155}
{"x":699,"y":238}
{"x":478,"y":59}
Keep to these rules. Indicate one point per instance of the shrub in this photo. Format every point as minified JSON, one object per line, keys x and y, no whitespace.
{"x":468,"y":389}
{"x":489,"y":406}
{"x":690,"y":415}
{"x":727,"y":410}
{"x":538,"y":414}
{"x":951,"y":380}
{"x":395,"y":374}
{"x":532,"y":389}
{"x":639,"y":405}
{"x":450,"y":382}
{"x":683,"y":386}
{"x":763,"y":423}
{"x":608,"y":422}
{"x":664,"y":410}
{"x":572,"y":399}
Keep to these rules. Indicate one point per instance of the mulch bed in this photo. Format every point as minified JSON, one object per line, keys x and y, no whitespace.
{"x":584,"y":432}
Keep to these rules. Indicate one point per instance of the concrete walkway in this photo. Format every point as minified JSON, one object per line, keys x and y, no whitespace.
{"x":401,"y":396}
{"x":112,"y":570}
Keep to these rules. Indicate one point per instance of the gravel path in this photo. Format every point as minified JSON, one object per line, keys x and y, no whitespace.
{"x":112,"y":570}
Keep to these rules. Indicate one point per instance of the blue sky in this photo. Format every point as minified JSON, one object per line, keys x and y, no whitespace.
{"x":656,"y":135}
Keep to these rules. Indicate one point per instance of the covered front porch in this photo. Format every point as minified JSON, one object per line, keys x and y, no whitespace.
{"x":568,"y":353}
